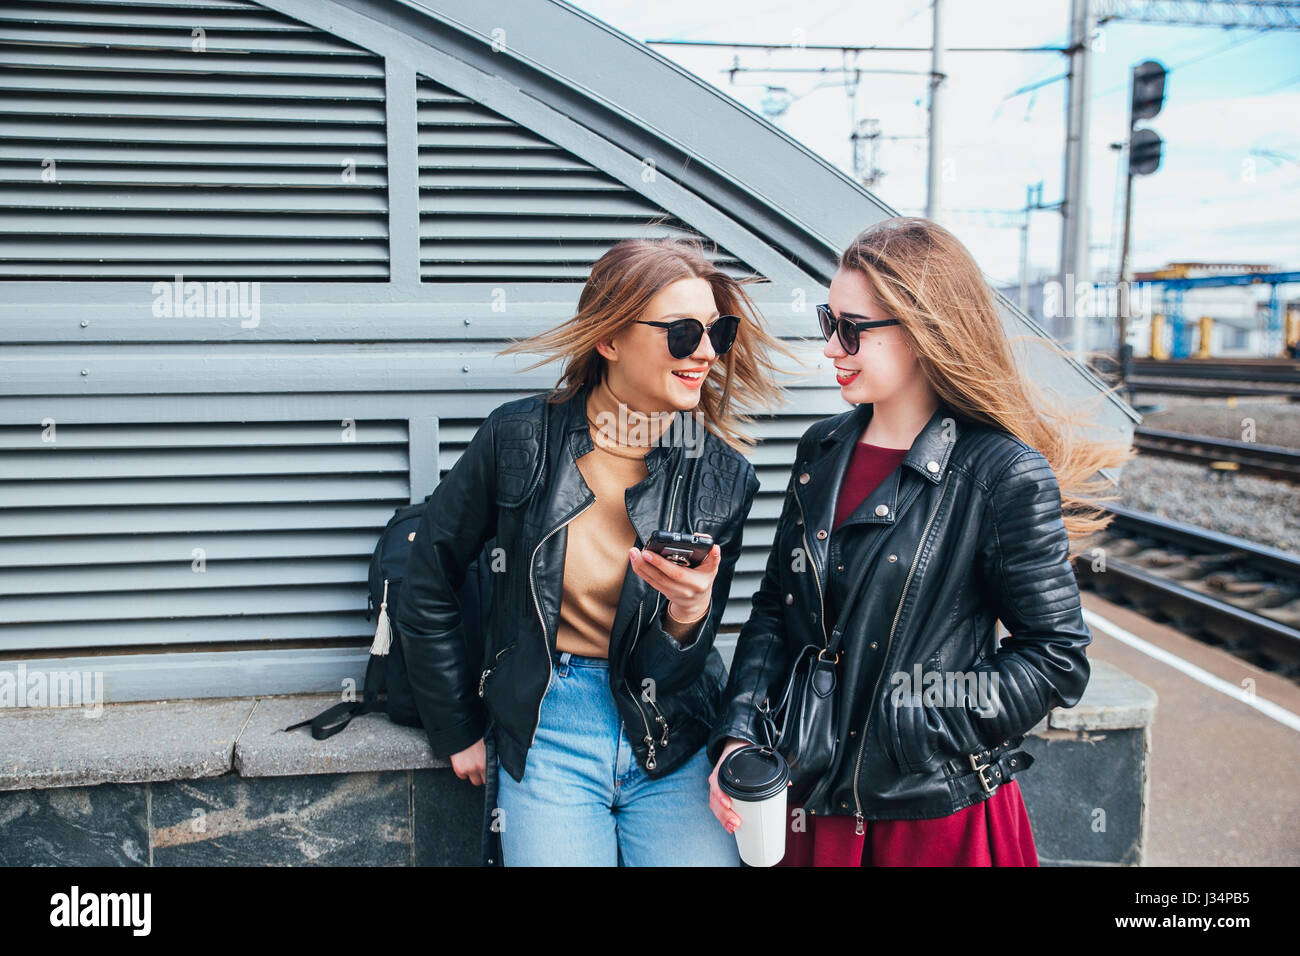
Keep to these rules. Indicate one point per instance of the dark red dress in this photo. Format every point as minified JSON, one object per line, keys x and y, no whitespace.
{"x":993,"y":832}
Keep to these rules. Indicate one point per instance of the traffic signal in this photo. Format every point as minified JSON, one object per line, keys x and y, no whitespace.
{"x":1148,"y":90}
{"x":1144,"y":152}
{"x":1146,"y":99}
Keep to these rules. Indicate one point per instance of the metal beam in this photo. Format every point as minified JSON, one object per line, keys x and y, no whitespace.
{"x":1253,"y":14}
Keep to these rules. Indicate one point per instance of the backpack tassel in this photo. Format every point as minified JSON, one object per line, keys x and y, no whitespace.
{"x":383,"y":633}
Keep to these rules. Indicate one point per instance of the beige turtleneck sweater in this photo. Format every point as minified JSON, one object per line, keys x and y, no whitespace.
{"x":598,"y":540}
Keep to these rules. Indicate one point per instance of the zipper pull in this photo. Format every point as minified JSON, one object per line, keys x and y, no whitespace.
{"x":663,"y":741}
{"x":482,"y":679}
{"x":861,"y":827}
{"x":659,"y":718}
{"x":650,"y":760}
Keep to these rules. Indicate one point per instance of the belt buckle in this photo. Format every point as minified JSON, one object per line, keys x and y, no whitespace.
{"x":979,"y":769}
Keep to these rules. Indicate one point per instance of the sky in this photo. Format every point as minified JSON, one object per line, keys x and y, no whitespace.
{"x":1227,"y":190}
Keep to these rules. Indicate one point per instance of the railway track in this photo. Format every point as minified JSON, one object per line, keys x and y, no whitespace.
{"x":1272,"y":376}
{"x":1222,"y":589}
{"x":1222,"y":454}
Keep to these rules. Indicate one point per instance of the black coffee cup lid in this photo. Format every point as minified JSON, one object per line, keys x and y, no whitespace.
{"x":753,"y":773}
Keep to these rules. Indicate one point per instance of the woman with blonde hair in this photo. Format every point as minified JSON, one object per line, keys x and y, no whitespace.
{"x":599,"y":681}
{"x":947,"y":499}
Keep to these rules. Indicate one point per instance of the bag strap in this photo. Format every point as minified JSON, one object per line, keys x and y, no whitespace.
{"x":329,"y":722}
{"x":842,"y":614}
{"x":767,"y":721}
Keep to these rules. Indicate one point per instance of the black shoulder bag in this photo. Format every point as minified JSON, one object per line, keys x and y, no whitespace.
{"x":803,"y":726}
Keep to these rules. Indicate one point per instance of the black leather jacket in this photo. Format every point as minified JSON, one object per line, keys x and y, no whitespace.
{"x":515,"y":488}
{"x":965,"y":532}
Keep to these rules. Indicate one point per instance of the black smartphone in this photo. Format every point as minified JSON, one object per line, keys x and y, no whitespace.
{"x":680,"y":547}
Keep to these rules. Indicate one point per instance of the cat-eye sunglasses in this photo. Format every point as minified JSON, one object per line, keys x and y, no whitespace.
{"x":848,"y":330}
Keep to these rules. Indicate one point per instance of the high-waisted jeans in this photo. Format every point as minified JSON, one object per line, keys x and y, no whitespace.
{"x":586,"y":801}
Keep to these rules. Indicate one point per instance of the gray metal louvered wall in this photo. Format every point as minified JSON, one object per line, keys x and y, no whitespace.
{"x":269,"y":136}
{"x":498,"y":201}
{"x":131,"y":525}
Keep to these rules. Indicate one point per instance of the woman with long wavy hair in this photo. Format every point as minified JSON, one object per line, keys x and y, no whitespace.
{"x":601,"y":702}
{"x":955,"y":493}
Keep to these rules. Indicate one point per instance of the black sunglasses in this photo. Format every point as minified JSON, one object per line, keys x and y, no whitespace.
{"x":684,"y":335}
{"x":847,"y":330}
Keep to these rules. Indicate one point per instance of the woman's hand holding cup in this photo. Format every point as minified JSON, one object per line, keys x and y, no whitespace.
{"x":719,"y":802}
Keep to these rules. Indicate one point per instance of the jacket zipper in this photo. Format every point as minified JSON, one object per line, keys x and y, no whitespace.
{"x":659,"y":719}
{"x":803,"y":524}
{"x":546,"y":643}
{"x":482,"y":679}
{"x":650,"y":762}
{"x":871,"y":702}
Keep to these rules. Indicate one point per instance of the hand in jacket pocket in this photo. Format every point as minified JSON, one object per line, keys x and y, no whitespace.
{"x":921,"y":733}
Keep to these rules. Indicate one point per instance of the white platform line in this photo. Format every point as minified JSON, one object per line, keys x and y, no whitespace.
{"x":1265,"y":707}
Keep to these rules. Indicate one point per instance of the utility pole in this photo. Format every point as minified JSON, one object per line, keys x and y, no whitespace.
{"x":1074,"y":206}
{"x":937,"y":78}
{"x":1033,"y":201}
{"x":1024,"y":243}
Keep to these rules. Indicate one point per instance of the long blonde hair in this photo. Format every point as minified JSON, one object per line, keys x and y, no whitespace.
{"x":621,"y":285}
{"x":922,"y":274}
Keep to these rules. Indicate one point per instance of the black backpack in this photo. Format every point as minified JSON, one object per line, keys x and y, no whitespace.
{"x":386,"y":668}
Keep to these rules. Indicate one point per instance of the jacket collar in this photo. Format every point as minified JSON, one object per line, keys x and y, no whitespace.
{"x":820,"y":478}
{"x":644,"y":503}
{"x":930,"y":450}
{"x":576,"y":432}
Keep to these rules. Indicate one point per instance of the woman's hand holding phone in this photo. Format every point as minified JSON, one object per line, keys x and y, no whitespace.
{"x":688,"y":590}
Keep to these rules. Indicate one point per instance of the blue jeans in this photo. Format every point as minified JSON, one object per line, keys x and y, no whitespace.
{"x":586,"y":801}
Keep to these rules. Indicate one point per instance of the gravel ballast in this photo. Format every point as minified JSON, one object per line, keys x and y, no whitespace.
{"x":1257,"y":509}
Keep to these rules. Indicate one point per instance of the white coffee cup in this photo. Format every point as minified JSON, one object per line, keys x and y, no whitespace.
{"x":756,"y":779}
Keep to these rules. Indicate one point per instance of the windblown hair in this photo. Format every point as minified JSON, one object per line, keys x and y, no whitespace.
{"x":621,"y":285}
{"x":923,"y":275}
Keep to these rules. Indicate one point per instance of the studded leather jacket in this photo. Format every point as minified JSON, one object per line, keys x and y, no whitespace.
{"x":513,"y":491}
{"x":965,"y":532}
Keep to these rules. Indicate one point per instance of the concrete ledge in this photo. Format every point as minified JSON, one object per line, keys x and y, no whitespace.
{"x":1112,"y":701}
{"x":189,"y":739}
{"x":369,"y":742}
{"x":125,"y":743}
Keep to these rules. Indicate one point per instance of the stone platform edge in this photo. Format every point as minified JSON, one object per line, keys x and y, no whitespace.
{"x":139,"y":742}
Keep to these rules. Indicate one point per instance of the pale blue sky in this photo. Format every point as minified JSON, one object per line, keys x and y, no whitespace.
{"x":1230,"y":95}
